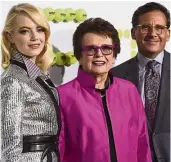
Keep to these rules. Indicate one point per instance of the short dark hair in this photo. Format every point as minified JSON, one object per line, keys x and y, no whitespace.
{"x":97,"y":26}
{"x":148,"y":7}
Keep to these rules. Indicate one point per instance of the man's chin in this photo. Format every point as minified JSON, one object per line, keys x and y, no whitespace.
{"x":151,"y":53}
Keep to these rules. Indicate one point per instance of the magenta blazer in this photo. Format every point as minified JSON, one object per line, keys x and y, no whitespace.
{"x":84,"y":135}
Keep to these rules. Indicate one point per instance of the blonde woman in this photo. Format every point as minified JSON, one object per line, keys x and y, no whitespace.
{"x":29,"y":111}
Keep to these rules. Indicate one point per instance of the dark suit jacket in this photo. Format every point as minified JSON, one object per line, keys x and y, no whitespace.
{"x":160,"y":134}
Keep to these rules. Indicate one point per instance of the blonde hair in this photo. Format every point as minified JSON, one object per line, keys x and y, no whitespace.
{"x":44,"y":60}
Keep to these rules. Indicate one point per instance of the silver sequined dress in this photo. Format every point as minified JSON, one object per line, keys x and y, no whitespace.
{"x":27,"y":108}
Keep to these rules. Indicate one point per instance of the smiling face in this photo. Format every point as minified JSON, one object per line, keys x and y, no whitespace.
{"x":28,"y":37}
{"x":151,"y":43}
{"x":97,"y":64}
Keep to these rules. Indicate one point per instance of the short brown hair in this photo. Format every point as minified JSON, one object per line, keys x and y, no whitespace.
{"x":97,"y":26}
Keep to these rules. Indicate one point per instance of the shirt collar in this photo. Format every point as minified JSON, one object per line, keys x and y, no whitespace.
{"x":144,"y":60}
{"x":87,"y":80}
{"x":32,"y":69}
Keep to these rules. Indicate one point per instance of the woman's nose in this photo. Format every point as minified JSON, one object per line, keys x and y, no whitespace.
{"x":99,"y":52}
{"x":34,"y":35}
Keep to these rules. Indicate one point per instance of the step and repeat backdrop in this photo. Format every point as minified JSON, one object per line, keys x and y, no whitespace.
{"x":64,"y":17}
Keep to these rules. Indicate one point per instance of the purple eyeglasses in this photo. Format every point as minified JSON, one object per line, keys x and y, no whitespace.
{"x":91,"y":50}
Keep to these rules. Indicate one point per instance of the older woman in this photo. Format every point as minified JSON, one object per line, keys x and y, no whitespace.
{"x":29,"y":123}
{"x":102,"y":116}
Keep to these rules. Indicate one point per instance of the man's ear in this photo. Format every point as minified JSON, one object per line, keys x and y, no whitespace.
{"x":168,"y":35}
{"x":133,"y":33}
{"x":9,"y":36}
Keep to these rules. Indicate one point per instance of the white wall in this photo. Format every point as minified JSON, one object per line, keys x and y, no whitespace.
{"x":118,"y":13}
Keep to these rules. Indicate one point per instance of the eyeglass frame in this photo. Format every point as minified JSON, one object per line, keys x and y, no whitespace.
{"x":150,"y":28}
{"x":84,"y":48}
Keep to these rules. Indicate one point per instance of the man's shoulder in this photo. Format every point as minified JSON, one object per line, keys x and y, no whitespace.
{"x":124,"y":66}
{"x":167,"y":52}
{"x":126,"y":63}
{"x":167,"y":55}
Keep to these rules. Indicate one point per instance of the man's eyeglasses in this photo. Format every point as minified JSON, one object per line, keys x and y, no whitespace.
{"x":91,"y":50}
{"x":145,"y":28}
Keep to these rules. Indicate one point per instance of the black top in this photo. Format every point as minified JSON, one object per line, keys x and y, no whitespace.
{"x":113,"y":155}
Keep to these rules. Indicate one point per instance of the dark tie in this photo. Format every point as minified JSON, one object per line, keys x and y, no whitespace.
{"x":151,"y":89}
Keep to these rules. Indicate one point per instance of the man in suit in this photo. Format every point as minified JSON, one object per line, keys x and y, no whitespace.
{"x":150,"y":29}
